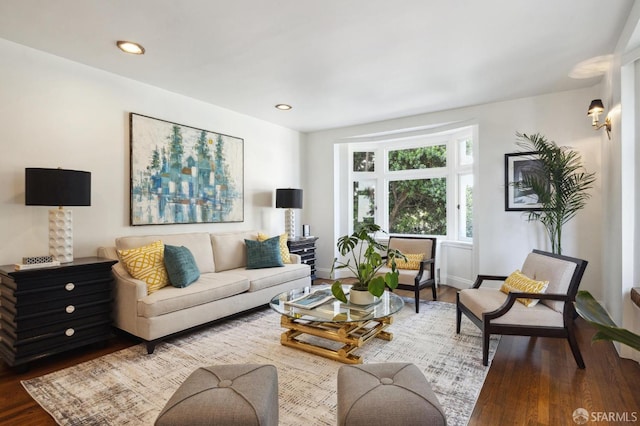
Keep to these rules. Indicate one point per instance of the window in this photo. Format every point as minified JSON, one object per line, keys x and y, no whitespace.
{"x":421,"y":186}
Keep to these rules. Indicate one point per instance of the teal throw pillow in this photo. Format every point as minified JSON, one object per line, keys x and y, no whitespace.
{"x":263,"y":254}
{"x":181,"y":266}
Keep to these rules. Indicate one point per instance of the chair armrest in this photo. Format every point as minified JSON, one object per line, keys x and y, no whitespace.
{"x":515,"y":295}
{"x":295,"y":258}
{"x":481,"y":278}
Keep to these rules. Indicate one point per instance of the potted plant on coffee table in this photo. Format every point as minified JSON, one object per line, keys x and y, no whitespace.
{"x":363,"y":256}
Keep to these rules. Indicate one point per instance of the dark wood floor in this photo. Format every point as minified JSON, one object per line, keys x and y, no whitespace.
{"x":532,"y":381}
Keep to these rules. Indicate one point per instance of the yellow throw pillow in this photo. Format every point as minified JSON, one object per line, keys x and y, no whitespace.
{"x":146,"y":263}
{"x":518,"y":282}
{"x":412,"y":262}
{"x":284,"y":249}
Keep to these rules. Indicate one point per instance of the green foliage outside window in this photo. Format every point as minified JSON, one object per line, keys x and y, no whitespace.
{"x":426,"y":157}
{"x":418,"y":206}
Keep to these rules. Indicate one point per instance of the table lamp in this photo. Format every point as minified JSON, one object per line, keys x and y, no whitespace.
{"x":287,"y":198}
{"x":58,"y":187}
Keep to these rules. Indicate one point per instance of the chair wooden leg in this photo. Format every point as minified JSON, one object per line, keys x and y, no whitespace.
{"x":417,"y":296}
{"x":485,"y":348}
{"x":575,"y":349}
{"x":458,"y":318}
{"x":433,"y":292}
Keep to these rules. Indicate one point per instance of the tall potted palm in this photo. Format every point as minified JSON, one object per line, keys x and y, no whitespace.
{"x":363,"y":256}
{"x":561,"y":184}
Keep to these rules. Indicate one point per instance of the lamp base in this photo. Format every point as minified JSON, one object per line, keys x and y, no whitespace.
{"x":61,"y":235}
{"x":290,"y":224}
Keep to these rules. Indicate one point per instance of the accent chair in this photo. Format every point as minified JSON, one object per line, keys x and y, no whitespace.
{"x":419,"y":270}
{"x":496,"y":312}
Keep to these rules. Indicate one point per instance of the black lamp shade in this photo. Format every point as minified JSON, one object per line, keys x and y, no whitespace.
{"x":596,"y":106}
{"x":57,"y":187}
{"x":287,"y":198}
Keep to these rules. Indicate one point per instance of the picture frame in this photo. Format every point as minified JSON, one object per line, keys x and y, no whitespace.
{"x":516,"y":165}
{"x":181,"y":174}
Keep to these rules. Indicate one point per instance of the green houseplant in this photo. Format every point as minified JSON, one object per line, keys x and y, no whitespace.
{"x":592,"y":312}
{"x":364,"y":258}
{"x":561,"y":184}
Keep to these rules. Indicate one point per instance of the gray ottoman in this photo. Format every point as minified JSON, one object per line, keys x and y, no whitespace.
{"x":243,"y":394}
{"x":386,"y":394}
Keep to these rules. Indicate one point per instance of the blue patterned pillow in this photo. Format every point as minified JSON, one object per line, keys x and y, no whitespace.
{"x":263,"y":254}
{"x":181,"y":266}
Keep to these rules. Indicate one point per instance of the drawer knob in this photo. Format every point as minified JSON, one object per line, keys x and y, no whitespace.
{"x":69,"y":332}
{"x":70,"y":309}
{"x":69,"y":286}
{"x":306,"y":250}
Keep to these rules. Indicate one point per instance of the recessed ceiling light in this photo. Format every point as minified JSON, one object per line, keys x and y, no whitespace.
{"x":130,"y":47}
{"x":284,"y":107}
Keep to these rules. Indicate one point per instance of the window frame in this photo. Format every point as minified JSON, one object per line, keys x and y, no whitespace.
{"x":383,"y":176}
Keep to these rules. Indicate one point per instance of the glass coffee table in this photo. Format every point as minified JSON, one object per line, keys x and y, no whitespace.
{"x":333,"y":321}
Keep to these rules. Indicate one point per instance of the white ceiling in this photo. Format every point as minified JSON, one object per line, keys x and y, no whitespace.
{"x":338,"y":62}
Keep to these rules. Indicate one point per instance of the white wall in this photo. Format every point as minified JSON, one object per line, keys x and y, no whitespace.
{"x":58,"y":113}
{"x":502,"y":239}
{"x":622,"y":204}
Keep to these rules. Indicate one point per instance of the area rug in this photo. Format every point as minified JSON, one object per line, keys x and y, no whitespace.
{"x":129,"y":387}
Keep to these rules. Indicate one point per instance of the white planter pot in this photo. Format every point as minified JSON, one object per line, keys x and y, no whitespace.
{"x":361,"y":297}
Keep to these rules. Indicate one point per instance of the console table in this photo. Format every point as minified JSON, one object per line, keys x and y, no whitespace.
{"x":51,"y":310}
{"x":306,"y":249}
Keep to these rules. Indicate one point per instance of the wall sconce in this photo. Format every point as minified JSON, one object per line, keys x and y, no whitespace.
{"x":595,"y":109}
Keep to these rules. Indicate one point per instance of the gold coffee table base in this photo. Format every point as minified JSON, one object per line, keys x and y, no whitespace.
{"x":352,"y":334}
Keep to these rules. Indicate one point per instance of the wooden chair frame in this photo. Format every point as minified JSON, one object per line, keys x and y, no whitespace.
{"x":488,"y":327}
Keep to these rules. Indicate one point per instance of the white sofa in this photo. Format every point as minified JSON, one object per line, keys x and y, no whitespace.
{"x":225,"y":286}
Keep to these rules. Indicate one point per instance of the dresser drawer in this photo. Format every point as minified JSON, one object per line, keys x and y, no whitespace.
{"x":35,"y":324}
{"x":59,"y":339}
{"x":47,"y":303}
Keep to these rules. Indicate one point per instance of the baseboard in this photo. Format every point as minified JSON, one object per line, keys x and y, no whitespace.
{"x":457,"y":282}
{"x":325,"y":273}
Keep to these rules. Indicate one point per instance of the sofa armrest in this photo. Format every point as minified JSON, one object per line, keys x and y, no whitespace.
{"x":127,"y":292}
{"x":295,"y":258}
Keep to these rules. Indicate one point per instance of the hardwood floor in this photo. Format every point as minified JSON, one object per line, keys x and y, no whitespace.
{"x":531,"y":381}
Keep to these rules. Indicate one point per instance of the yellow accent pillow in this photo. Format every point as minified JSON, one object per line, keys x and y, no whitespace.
{"x":412,"y":262}
{"x":517,"y":281}
{"x":146,"y":263}
{"x":284,"y":249}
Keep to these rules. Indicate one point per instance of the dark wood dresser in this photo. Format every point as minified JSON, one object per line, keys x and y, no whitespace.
{"x":306,"y":249}
{"x":51,"y":310}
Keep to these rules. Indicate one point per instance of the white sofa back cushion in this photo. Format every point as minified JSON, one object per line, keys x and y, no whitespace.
{"x":198,"y":244}
{"x":229,"y":249}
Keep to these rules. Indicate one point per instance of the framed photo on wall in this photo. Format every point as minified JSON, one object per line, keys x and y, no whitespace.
{"x":181,"y":174}
{"x":516,"y":167}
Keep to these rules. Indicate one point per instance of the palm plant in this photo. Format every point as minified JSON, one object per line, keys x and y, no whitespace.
{"x":364,"y":259}
{"x":561,"y":184}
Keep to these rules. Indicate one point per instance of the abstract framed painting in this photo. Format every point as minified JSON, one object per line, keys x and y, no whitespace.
{"x":516,"y":166}
{"x":181,"y":174}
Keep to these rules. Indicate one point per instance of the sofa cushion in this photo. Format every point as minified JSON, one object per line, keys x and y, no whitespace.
{"x":229,"y":250}
{"x":268,"y":277}
{"x":208,"y":288}
{"x":181,"y":266}
{"x":198,"y":243}
{"x":484,"y":300}
{"x":263,"y":254}
{"x":557,"y":271}
{"x":146,"y":263}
